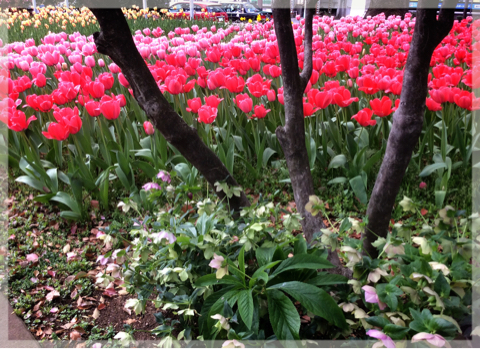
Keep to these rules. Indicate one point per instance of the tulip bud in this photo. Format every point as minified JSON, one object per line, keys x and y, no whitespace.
{"x":148,"y":127}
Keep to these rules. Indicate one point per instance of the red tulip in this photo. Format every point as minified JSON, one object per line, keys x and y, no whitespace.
{"x":342,"y":97}
{"x":194,"y":104}
{"x":17,"y":121}
{"x":41,"y":103}
{"x":275,"y":71}
{"x":244,"y":102}
{"x":22,"y":83}
{"x":69,"y":118}
{"x":148,"y":127}
{"x":96,"y":89}
{"x":364,"y":117}
{"x":56,"y":131}
{"x":235,"y":84}
{"x":464,"y":100}
{"x":40,"y":80}
{"x":271,"y":95}
{"x":93,"y":108}
{"x":323,"y":99}
{"x":122,"y":80}
{"x":213,"y":101}
{"x":107,"y":80}
{"x":432,"y":105}
{"x":329,"y":69}
{"x":308,"y":109}
{"x":256,"y":86}
{"x":441,"y":95}
{"x":207,"y":114}
{"x":382,"y":107}
{"x":110,"y":109}
{"x":342,"y":63}
{"x":367,"y":85}
{"x":260,"y":112}
{"x":314,"y":77}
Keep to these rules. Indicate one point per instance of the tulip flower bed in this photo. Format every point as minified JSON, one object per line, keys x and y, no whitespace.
{"x":80,"y":139}
{"x":75,"y":124}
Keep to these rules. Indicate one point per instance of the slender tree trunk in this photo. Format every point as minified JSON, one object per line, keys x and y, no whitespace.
{"x":115,"y":40}
{"x":407,"y":120}
{"x":389,"y":7}
{"x":292,"y":136}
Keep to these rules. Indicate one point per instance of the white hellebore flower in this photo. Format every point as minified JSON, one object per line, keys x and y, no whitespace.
{"x":113,"y":269}
{"x":418,"y":276}
{"x":355,"y":225}
{"x":426,"y":249}
{"x":222,"y":321}
{"x":124,"y":338}
{"x":135,"y":304}
{"x":440,"y":266}
{"x":352,"y":254}
{"x":233,"y":344}
{"x":407,"y":204}
{"x":375,"y":275}
{"x":158,"y":237}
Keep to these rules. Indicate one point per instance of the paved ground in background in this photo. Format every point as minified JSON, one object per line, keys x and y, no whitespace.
{"x":13,"y":332}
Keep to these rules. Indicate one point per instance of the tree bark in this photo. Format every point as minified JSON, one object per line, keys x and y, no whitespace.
{"x":115,"y":40}
{"x":407,"y":120}
{"x":388,"y":7}
{"x":292,"y":136}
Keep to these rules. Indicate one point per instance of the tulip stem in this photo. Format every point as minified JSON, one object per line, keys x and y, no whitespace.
{"x":107,"y":153}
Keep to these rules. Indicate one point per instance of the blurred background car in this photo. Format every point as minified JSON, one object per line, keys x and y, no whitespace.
{"x":200,"y":9}
{"x":236,"y":10}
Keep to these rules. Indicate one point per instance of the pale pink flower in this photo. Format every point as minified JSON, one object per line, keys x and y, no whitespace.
{"x":372,"y":297}
{"x":434,"y":339}
{"x":216,"y":262}
{"x":386,"y":340}
{"x":233,"y":344}
{"x":158,"y":237}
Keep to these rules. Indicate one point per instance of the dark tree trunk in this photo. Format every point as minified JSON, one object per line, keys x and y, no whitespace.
{"x":115,"y":40}
{"x":292,"y":136}
{"x":407,"y":120}
{"x":389,"y":7}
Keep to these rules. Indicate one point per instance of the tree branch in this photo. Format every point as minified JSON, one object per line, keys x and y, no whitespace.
{"x":115,"y":40}
{"x":307,"y":44}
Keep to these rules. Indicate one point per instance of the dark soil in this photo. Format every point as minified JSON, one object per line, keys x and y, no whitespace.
{"x":116,"y":315}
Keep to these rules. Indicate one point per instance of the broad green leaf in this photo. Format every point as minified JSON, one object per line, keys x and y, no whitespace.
{"x":283,"y":315}
{"x":267,"y":154}
{"x":264,"y":255}
{"x":358,"y":188}
{"x":34,"y":183}
{"x":245,"y":307}
{"x":265,"y":267}
{"x":325,"y":279}
{"x":315,"y":300}
{"x":378,"y":321}
{"x":300,"y":246}
{"x":302,"y":261}
{"x":337,"y":161}
{"x":65,"y":199}
{"x":441,"y":286}
{"x":395,"y":332}
{"x":428,"y":170}
{"x":211,"y":279}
